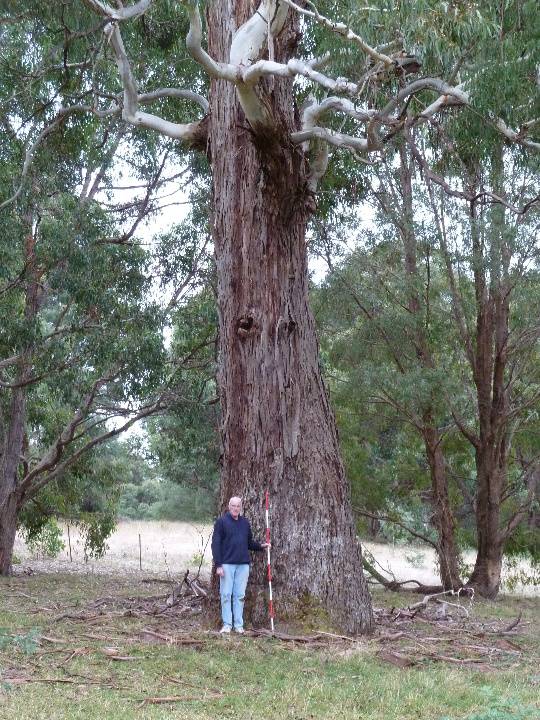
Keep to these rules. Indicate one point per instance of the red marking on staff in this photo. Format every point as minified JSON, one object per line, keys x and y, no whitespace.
{"x":269,"y":574}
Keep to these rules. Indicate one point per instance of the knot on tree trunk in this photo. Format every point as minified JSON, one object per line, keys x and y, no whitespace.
{"x":245,"y":326}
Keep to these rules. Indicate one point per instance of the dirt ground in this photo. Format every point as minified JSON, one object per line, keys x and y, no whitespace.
{"x":169,"y":548}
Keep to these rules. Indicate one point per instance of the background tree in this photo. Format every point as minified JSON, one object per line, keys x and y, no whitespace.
{"x":376,"y":341}
{"x":81,"y":348}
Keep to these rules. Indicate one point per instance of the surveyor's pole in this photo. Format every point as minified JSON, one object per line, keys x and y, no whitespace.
{"x":269,"y":567}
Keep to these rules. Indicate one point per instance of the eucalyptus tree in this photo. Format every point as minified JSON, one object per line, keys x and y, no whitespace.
{"x":455,"y":155}
{"x":435,"y":315}
{"x":267,"y":140}
{"x":497,"y":334}
{"x":81,"y":345}
{"x":385,"y":330}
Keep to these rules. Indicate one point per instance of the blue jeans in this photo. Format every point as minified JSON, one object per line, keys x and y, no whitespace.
{"x":232,"y":586}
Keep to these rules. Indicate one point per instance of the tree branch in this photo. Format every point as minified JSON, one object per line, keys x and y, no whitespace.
{"x":388,"y":518}
{"x":215,"y":69}
{"x":121,"y":13}
{"x":343,"y":30}
{"x":33,"y":488}
{"x":130,"y":111}
{"x":56,"y":450}
{"x":332,"y":137}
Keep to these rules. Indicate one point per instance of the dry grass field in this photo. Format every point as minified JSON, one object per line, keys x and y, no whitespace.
{"x":169,"y":548}
{"x":166,"y":548}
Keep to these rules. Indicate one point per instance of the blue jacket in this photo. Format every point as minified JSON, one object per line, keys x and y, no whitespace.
{"x":232,"y":540}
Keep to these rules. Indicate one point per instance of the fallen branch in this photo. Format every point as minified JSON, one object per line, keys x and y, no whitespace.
{"x":337,"y":637}
{"x":287,"y":638}
{"x":395,"y":658}
{"x":509,"y":628}
{"x":169,"y":699}
{"x":171,"y":640}
{"x":433,"y":596}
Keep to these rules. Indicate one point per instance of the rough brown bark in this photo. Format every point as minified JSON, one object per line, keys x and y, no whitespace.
{"x":9,"y":463}
{"x":278,"y":430}
{"x":14,"y":424}
{"x":8,"y":529}
{"x":443,"y":517}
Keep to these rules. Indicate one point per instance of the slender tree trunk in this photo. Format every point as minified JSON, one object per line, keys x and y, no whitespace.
{"x":15,"y":423}
{"x":490,"y":469}
{"x":278,"y":430}
{"x":492,"y":290}
{"x":12,"y":446}
{"x":443,"y":518}
{"x":8,"y":530}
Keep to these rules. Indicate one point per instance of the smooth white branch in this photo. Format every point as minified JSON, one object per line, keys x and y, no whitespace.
{"x":444,"y":89}
{"x":341,"y":29}
{"x":122,"y":13}
{"x":313,"y":112}
{"x":251,"y":37}
{"x":513,"y":136}
{"x":251,"y":74}
{"x":130,"y":111}
{"x":332,"y":137}
{"x":247,"y":46}
{"x":195,"y":48}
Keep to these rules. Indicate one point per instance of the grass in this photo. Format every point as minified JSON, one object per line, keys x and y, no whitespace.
{"x":238,"y":677}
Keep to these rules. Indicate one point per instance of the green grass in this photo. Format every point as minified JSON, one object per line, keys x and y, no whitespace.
{"x":240,"y":677}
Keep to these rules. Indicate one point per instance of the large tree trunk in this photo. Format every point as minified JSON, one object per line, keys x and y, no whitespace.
{"x":278,"y":430}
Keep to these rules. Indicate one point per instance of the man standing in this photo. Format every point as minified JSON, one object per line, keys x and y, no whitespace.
{"x":231,"y":542}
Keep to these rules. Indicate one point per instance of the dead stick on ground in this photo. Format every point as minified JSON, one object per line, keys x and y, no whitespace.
{"x":169,"y":699}
{"x":338,"y":637}
{"x":510,"y":627}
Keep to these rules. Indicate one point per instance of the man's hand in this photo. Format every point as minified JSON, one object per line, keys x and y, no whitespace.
{"x":220,"y":572}
{"x":265,"y":545}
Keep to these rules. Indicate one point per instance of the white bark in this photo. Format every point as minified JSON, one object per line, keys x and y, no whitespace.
{"x":247,"y":45}
{"x":514,"y":136}
{"x":194,"y":46}
{"x":313,"y":112}
{"x":250,"y":39}
{"x":333,"y":138}
{"x":252,"y":74}
{"x":121,"y":13}
{"x":343,"y":30}
{"x":436,"y":84}
{"x":130,"y":111}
